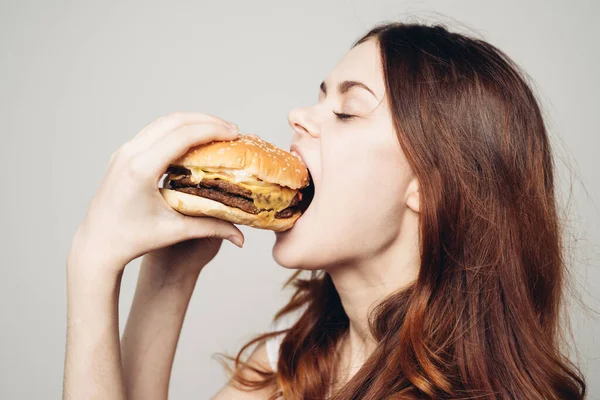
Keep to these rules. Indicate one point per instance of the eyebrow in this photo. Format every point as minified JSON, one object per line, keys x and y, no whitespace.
{"x":344,"y":86}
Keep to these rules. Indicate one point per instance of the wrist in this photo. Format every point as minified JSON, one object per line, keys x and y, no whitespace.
{"x":88,"y":251}
{"x":167,"y":271}
{"x":91,"y":277}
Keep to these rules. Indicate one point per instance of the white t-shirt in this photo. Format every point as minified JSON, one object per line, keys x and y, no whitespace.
{"x":273,"y":343}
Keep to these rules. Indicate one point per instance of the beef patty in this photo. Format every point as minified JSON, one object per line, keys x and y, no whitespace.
{"x":224,"y":192}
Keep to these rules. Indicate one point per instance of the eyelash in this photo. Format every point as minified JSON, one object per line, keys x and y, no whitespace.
{"x":343,"y":117}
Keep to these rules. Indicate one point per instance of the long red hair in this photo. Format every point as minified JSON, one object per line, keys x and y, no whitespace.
{"x":483,"y":318}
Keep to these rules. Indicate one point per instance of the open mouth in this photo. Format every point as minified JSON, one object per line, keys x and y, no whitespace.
{"x":307,"y":194}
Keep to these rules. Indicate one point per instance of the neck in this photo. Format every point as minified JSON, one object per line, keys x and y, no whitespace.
{"x":363,"y":284}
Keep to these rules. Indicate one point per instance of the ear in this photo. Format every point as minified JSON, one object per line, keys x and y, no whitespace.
{"x":412,"y":195}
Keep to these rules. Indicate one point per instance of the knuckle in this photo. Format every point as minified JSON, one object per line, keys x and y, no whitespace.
{"x":212,"y":233}
{"x":126,"y":150}
{"x":156,"y":122}
{"x":176,"y":116}
{"x":136,"y":167}
{"x":113,"y":156}
{"x":123,"y":152}
{"x":214,"y":118}
{"x":189,"y":134}
{"x":214,"y":230}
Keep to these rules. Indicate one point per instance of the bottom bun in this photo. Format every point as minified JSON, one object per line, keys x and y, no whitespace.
{"x":197,"y":206}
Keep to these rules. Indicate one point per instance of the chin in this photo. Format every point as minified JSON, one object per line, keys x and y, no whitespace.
{"x":304,"y":246}
{"x":290,"y":248}
{"x":294,"y":258}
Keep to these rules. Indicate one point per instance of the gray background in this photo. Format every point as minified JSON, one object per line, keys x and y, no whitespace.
{"x":79,"y":78}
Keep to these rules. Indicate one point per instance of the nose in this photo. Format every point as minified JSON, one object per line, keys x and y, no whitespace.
{"x":304,"y":122}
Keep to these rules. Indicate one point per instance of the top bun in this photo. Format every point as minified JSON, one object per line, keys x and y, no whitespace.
{"x":252,"y":154}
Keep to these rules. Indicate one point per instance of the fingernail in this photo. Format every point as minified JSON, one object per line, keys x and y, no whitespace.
{"x":234,"y":128}
{"x":237,"y":241}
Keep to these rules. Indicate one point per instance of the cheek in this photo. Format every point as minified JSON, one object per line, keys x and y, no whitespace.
{"x":357,"y":207}
{"x":369,"y":171}
{"x":362,"y":192}
{"x":361,"y":196}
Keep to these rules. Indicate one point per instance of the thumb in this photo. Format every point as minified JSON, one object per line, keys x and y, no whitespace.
{"x":209,"y":227}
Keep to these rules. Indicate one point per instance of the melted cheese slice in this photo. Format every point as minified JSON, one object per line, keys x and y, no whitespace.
{"x":266,"y":196}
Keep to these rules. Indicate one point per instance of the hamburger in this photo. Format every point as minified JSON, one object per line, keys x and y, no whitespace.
{"x":245,"y":181}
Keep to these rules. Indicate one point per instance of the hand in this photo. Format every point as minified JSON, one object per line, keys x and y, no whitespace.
{"x":180,"y":262}
{"x":128,"y":216}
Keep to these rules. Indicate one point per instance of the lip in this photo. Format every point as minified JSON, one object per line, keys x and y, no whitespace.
{"x":295,"y":149}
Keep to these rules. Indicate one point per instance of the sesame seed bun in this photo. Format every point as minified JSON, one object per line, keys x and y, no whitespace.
{"x":250,"y":153}
{"x":253,"y":155}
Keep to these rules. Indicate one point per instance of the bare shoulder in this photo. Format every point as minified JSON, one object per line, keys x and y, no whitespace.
{"x":234,"y":391}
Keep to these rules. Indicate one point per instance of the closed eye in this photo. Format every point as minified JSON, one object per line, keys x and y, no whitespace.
{"x":343,"y":117}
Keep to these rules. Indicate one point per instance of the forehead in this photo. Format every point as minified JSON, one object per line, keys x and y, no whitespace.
{"x":362,"y":63}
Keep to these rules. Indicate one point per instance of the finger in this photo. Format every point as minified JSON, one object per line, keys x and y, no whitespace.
{"x":158,"y":157}
{"x":209,"y":227}
{"x":163,"y":125}
{"x":112,"y":157}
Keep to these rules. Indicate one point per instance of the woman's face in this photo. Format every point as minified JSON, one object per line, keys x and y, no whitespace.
{"x":358,"y":168}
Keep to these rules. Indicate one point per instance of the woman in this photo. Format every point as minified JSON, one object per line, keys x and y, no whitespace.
{"x":433,"y":241}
